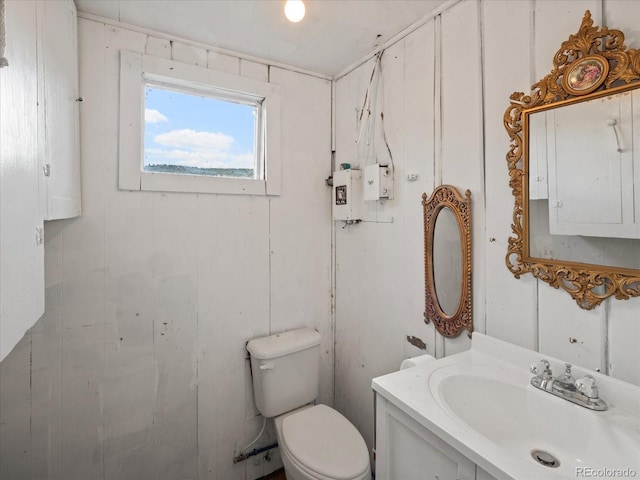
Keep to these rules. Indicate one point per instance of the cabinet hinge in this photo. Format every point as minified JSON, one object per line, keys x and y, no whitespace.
{"x":39,"y":235}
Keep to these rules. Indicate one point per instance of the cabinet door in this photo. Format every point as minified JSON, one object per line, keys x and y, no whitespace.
{"x":591,"y":184}
{"x":537,"y":157}
{"x":407,"y":451}
{"x":58,"y":127}
{"x":21,"y":248}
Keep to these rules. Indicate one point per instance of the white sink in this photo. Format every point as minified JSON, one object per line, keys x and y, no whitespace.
{"x":481,"y":403}
{"x":525,"y":421}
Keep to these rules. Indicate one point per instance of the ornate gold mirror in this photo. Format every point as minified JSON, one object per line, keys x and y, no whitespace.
{"x":447,"y":260}
{"x":574,"y":171}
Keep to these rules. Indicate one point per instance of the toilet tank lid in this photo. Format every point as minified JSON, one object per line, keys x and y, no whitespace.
{"x":283,"y":343}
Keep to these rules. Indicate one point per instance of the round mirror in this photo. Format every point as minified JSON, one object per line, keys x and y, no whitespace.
{"x":447,"y":261}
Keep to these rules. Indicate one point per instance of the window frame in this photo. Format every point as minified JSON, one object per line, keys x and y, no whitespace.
{"x":137,"y":70}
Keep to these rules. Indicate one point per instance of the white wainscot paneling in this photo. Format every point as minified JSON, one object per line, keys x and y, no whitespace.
{"x":511,"y":303}
{"x":462,"y":149}
{"x":568,"y":332}
{"x":623,"y":339}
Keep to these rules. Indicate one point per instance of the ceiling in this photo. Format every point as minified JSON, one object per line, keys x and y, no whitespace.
{"x":334,"y":35}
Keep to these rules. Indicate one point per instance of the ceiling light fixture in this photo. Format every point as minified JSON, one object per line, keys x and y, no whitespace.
{"x":294,"y":10}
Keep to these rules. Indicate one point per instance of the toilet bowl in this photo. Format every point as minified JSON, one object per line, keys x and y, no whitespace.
{"x":316,"y":442}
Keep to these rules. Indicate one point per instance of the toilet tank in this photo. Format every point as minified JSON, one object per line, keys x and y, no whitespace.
{"x":286,"y":370}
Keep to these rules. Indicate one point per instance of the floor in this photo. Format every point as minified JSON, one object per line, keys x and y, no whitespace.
{"x":277,"y":475}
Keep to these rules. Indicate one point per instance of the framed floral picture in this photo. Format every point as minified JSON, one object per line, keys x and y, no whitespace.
{"x":585,"y":74}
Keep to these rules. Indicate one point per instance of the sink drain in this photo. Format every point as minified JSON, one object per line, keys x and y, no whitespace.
{"x":545,"y":458}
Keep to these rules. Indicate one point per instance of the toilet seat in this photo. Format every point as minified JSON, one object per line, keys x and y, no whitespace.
{"x":323,"y":444}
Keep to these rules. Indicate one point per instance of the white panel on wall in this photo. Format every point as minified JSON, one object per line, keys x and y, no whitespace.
{"x":567,"y":332}
{"x":510,"y":316}
{"x":462,"y":148}
{"x":15,"y":412}
{"x":188,"y":54}
{"x":233,"y":298}
{"x":553,"y":23}
{"x":301,"y":271}
{"x":45,"y":358}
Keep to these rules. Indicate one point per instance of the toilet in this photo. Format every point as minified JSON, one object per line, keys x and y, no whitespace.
{"x":316,"y":442}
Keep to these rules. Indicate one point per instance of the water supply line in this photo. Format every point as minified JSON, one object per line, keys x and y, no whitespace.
{"x":256,"y":451}
{"x":243,"y":456}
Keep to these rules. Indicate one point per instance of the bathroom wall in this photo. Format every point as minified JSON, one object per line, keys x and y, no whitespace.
{"x":444,"y":90}
{"x":138,"y":368}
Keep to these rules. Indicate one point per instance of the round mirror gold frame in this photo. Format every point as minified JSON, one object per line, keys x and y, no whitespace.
{"x":446,"y":196}
{"x":588,"y":284}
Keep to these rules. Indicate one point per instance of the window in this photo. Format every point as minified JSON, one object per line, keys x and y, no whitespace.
{"x":190,"y":129}
{"x":190,"y":134}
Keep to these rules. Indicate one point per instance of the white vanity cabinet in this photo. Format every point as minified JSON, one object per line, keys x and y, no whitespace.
{"x":405,"y":450}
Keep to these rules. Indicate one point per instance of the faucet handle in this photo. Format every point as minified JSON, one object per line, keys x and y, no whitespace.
{"x":541,"y":369}
{"x":587,"y":386}
{"x":566,"y":380}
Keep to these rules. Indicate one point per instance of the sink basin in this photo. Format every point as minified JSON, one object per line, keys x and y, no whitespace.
{"x":480,"y":403}
{"x":524,"y":421}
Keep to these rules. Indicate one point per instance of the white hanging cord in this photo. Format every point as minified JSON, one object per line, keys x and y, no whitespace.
{"x":384,"y":133}
{"x":366,"y":104}
{"x":384,"y":137}
{"x":371,"y":96}
{"x":3,"y":61}
{"x":264,"y":424}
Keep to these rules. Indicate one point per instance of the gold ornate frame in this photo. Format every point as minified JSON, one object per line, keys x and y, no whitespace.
{"x":447,"y":196}
{"x":588,"y":284}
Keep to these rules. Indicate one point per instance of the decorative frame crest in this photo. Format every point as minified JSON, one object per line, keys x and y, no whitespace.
{"x":447,"y":196}
{"x":588,"y":284}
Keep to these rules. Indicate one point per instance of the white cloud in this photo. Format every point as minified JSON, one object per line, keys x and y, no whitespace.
{"x":193,"y":140}
{"x":197,"y":149}
{"x":154,"y":116}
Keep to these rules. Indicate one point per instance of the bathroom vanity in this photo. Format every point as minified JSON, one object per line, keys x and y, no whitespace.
{"x":475,"y":415}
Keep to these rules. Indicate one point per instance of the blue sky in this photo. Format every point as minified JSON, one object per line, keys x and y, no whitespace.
{"x":190,"y":130}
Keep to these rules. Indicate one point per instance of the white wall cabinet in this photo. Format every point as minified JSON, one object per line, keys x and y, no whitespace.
{"x":21,"y":252}
{"x":591,"y":182}
{"x":408,"y":451}
{"x":38,"y":126}
{"x":58,"y":115}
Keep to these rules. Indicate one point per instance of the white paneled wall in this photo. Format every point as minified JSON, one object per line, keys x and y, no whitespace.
{"x":446,"y":87}
{"x":138,"y":368}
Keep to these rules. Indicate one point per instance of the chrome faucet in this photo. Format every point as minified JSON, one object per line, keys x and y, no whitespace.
{"x":583,"y":392}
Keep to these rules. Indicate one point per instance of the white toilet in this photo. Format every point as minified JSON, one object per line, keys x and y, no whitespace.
{"x":316,"y":442}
